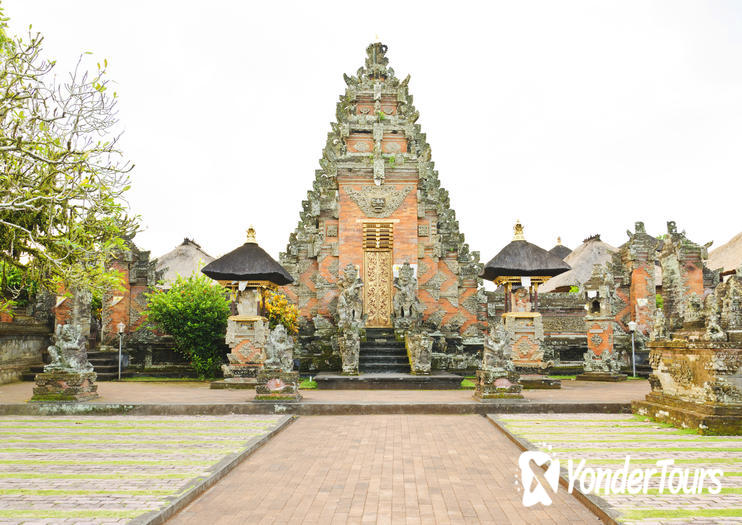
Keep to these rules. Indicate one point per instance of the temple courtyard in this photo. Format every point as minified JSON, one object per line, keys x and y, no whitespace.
{"x":383,"y":456}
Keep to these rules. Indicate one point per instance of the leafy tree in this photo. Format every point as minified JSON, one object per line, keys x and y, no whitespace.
{"x":194,"y":312}
{"x":62,"y":176}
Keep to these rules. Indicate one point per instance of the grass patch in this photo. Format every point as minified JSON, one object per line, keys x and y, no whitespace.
{"x":467,"y":384}
{"x":63,"y":492}
{"x":649,"y":450}
{"x":653,"y":461}
{"x":129,"y":442}
{"x":563,"y":378}
{"x":643,"y":514}
{"x":153,"y":379}
{"x":142,"y":462}
{"x":162,"y":451}
{"x":70,"y":514}
{"x":120,"y":475}
{"x":308,"y":384}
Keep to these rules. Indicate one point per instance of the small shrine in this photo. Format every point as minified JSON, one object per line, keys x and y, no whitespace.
{"x":249,"y":273}
{"x":601,"y":361}
{"x":519,"y":268}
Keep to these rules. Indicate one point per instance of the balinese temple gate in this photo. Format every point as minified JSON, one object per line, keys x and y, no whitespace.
{"x":376,"y":203}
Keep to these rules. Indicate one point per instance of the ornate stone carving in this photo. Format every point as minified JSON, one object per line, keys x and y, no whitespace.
{"x":378,"y":288}
{"x":279,"y":350}
{"x":351,"y":321}
{"x":69,"y":376}
{"x":605,"y":363}
{"x":659,"y":330}
{"x":68,"y":351}
{"x":407,"y":307}
{"x":350,"y":302}
{"x":497,"y":376}
{"x":378,"y":201}
{"x":420,"y":351}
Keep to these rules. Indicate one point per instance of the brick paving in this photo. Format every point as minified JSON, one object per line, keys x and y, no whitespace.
{"x":605,"y":440}
{"x":64,"y":470}
{"x":195,"y":392}
{"x":379,"y":469}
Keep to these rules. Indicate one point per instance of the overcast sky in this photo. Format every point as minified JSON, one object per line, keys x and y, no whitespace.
{"x":574,"y":117}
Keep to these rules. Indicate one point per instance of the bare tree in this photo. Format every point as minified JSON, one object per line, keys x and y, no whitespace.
{"x":62,"y":176}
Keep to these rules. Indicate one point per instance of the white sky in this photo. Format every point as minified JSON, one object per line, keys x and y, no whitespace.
{"x":575,"y":117}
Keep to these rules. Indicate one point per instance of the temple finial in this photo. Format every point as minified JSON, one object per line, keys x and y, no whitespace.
{"x":559,"y":241}
{"x":251,"y":235}
{"x":518,"y":229}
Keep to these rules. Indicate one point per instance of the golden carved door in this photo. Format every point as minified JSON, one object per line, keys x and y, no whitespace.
{"x":377,"y":285}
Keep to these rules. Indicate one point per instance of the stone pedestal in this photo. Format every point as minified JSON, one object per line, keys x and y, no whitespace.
{"x":277,"y":385}
{"x":497,"y":377}
{"x":246,"y":336}
{"x":526,"y":331}
{"x":63,"y":385}
{"x":495,"y":385}
{"x":695,"y":384}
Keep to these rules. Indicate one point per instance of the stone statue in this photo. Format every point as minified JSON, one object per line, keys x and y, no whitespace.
{"x":497,"y":376}
{"x":714,"y":332}
{"x":407,"y":307}
{"x":279,"y":350}
{"x":607,"y":362}
{"x":350,"y":302}
{"x":351,"y":322}
{"x":659,"y":330}
{"x":420,"y":351}
{"x":68,"y":351}
{"x":497,"y":355}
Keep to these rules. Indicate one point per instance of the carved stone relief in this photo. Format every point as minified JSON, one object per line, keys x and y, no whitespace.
{"x":378,"y":201}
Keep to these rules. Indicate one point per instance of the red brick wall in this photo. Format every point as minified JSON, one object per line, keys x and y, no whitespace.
{"x":350,"y":227}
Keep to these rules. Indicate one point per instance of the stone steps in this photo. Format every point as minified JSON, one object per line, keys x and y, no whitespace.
{"x":382,"y":353}
{"x":105,"y":365}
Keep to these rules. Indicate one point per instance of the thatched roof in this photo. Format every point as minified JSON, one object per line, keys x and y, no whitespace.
{"x":185,"y":260}
{"x":591,"y":252}
{"x":727,"y":256}
{"x":520,"y":257}
{"x":560,"y":250}
{"x":249,"y":262}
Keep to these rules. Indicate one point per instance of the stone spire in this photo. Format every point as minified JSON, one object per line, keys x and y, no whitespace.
{"x":377,"y":139}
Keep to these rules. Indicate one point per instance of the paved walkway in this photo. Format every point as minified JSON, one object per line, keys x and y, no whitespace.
{"x":605,"y":440}
{"x":177,"y":392}
{"x":65,"y":470}
{"x":379,"y":469}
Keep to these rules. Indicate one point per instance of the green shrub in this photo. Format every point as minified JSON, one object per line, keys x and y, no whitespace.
{"x":194,"y":312}
{"x":659,"y":301}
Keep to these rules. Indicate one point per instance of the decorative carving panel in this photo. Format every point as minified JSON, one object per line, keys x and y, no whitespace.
{"x":378,"y":201}
{"x":378,"y":288}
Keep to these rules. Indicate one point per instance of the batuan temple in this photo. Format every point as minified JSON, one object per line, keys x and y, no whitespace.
{"x":376,"y":203}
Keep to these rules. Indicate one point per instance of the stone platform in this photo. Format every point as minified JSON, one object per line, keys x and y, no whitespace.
{"x":240,"y":383}
{"x":713,"y":419}
{"x":539,"y":382}
{"x":388,"y":381}
{"x":597,"y":376}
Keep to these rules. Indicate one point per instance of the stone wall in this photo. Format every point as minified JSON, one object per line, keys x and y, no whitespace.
{"x":23,"y":342}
